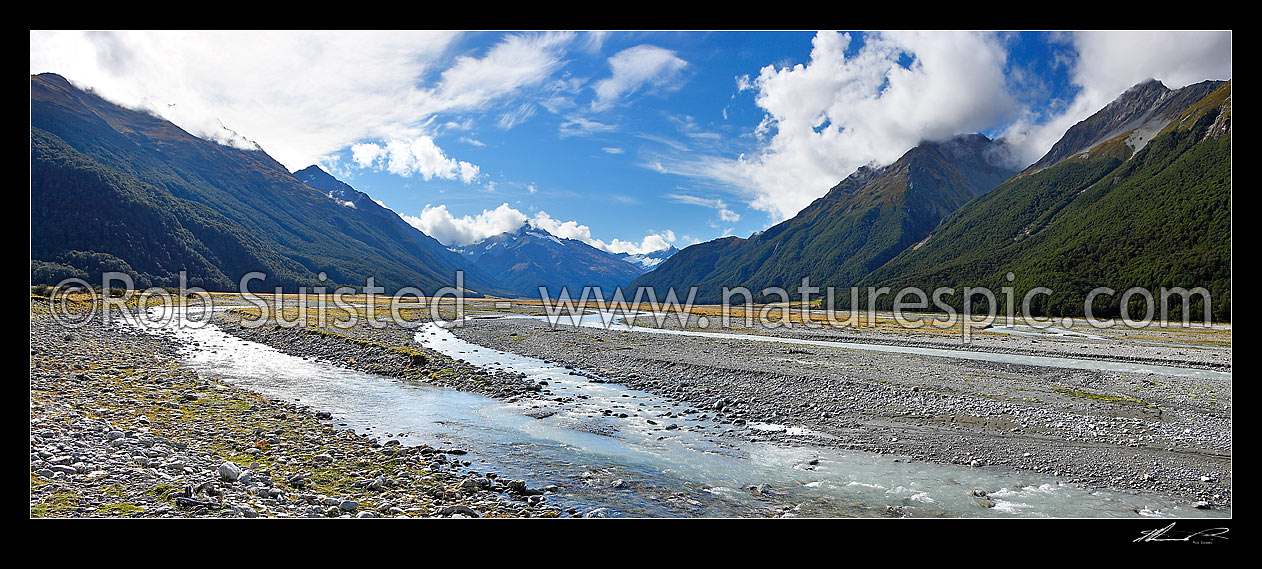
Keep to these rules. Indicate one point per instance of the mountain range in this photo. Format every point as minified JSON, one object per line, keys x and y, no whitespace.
{"x":1138,"y":194}
{"x":861,"y":223}
{"x":1149,"y":207}
{"x":114,"y":189}
{"x":118,"y":189}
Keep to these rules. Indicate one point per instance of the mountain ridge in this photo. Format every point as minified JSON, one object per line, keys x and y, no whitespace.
{"x":1089,"y":151}
{"x":263,"y":217}
{"x":1113,"y":216}
{"x":860,"y":223}
{"x":1147,"y":106}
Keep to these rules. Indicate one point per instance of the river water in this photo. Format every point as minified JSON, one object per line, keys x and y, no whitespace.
{"x":662,"y":459}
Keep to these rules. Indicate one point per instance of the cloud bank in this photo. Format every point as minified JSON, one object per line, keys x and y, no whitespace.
{"x":452,"y":231}
{"x":304,"y":96}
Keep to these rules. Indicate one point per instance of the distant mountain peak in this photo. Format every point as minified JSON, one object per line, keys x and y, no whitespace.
{"x":1147,"y":84}
{"x":974,"y":138}
{"x":319,"y":179}
{"x":530,"y":256}
{"x":315,"y":177}
{"x":529,"y":230}
{"x":650,"y":259}
{"x":314,"y":171}
{"x":966,"y":147}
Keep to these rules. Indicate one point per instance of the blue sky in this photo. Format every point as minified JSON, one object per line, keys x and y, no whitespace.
{"x":627,"y":140}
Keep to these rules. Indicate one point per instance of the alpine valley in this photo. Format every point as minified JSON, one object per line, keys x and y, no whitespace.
{"x":115,"y":189}
{"x":1073,"y":360}
{"x":119,"y":190}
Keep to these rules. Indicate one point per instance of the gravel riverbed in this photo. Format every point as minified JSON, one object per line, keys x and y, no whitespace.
{"x":118,"y":428}
{"x":1152,"y":433}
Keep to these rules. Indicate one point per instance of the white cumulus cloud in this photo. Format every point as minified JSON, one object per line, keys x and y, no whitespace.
{"x":654,"y":241}
{"x":417,"y":156}
{"x":651,"y":242}
{"x":452,"y":231}
{"x":836,"y":112}
{"x":640,"y":68}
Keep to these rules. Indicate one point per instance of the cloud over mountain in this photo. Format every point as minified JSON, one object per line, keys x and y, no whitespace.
{"x":849,"y":105}
{"x":439,"y":223}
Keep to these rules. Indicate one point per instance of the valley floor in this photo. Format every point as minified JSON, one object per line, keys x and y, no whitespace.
{"x":120,"y":428}
{"x":1145,"y":432}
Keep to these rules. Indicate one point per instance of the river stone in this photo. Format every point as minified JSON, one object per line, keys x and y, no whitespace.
{"x":229,"y":471}
{"x":459,"y":509}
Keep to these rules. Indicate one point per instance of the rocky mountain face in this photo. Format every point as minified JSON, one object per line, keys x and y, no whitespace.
{"x":861,"y":223}
{"x":118,"y":189}
{"x":1141,"y":112}
{"x":530,"y":257}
